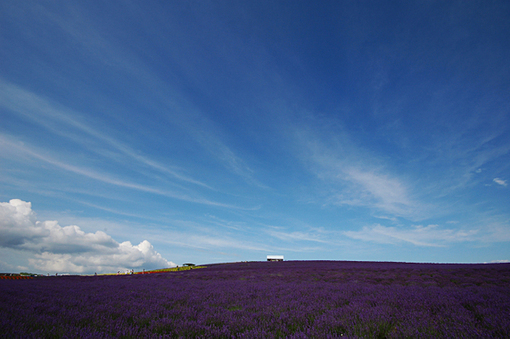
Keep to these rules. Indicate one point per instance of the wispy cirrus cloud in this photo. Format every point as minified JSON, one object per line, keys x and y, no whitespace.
{"x":312,"y":236}
{"x":221,"y":151}
{"x":380,"y":190}
{"x":71,"y":125}
{"x":431,"y":235}
{"x":7,"y":145}
{"x":208,"y":239}
{"x":83,"y":31}
{"x":66,"y":122}
{"x":354,"y":177}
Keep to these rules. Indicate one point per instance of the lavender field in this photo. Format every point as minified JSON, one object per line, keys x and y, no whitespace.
{"x":310,"y":299}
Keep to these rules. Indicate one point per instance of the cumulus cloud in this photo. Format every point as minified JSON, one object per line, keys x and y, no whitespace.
{"x":68,"y":248}
{"x":500,"y":181}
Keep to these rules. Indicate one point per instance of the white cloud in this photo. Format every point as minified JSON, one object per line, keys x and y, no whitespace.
{"x":211,"y":241}
{"x":68,"y":248}
{"x":356,"y":177}
{"x":7,"y":145}
{"x":382,"y":191}
{"x":496,"y":231}
{"x":385,"y":217}
{"x":431,"y":235}
{"x":297,"y":236}
{"x":49,"y":114}
{"x":500,"y":181}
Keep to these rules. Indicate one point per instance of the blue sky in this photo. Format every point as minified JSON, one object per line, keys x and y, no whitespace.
{"x":141,"y":134}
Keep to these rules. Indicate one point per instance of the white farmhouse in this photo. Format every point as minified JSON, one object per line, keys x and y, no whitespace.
{"x":275,"y":258}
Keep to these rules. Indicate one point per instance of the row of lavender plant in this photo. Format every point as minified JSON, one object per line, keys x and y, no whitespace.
{"x":266,"y":300}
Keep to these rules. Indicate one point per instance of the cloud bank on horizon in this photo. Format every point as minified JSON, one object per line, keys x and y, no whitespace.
{"x":69,"y":249}
{"x":225,"y":131}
